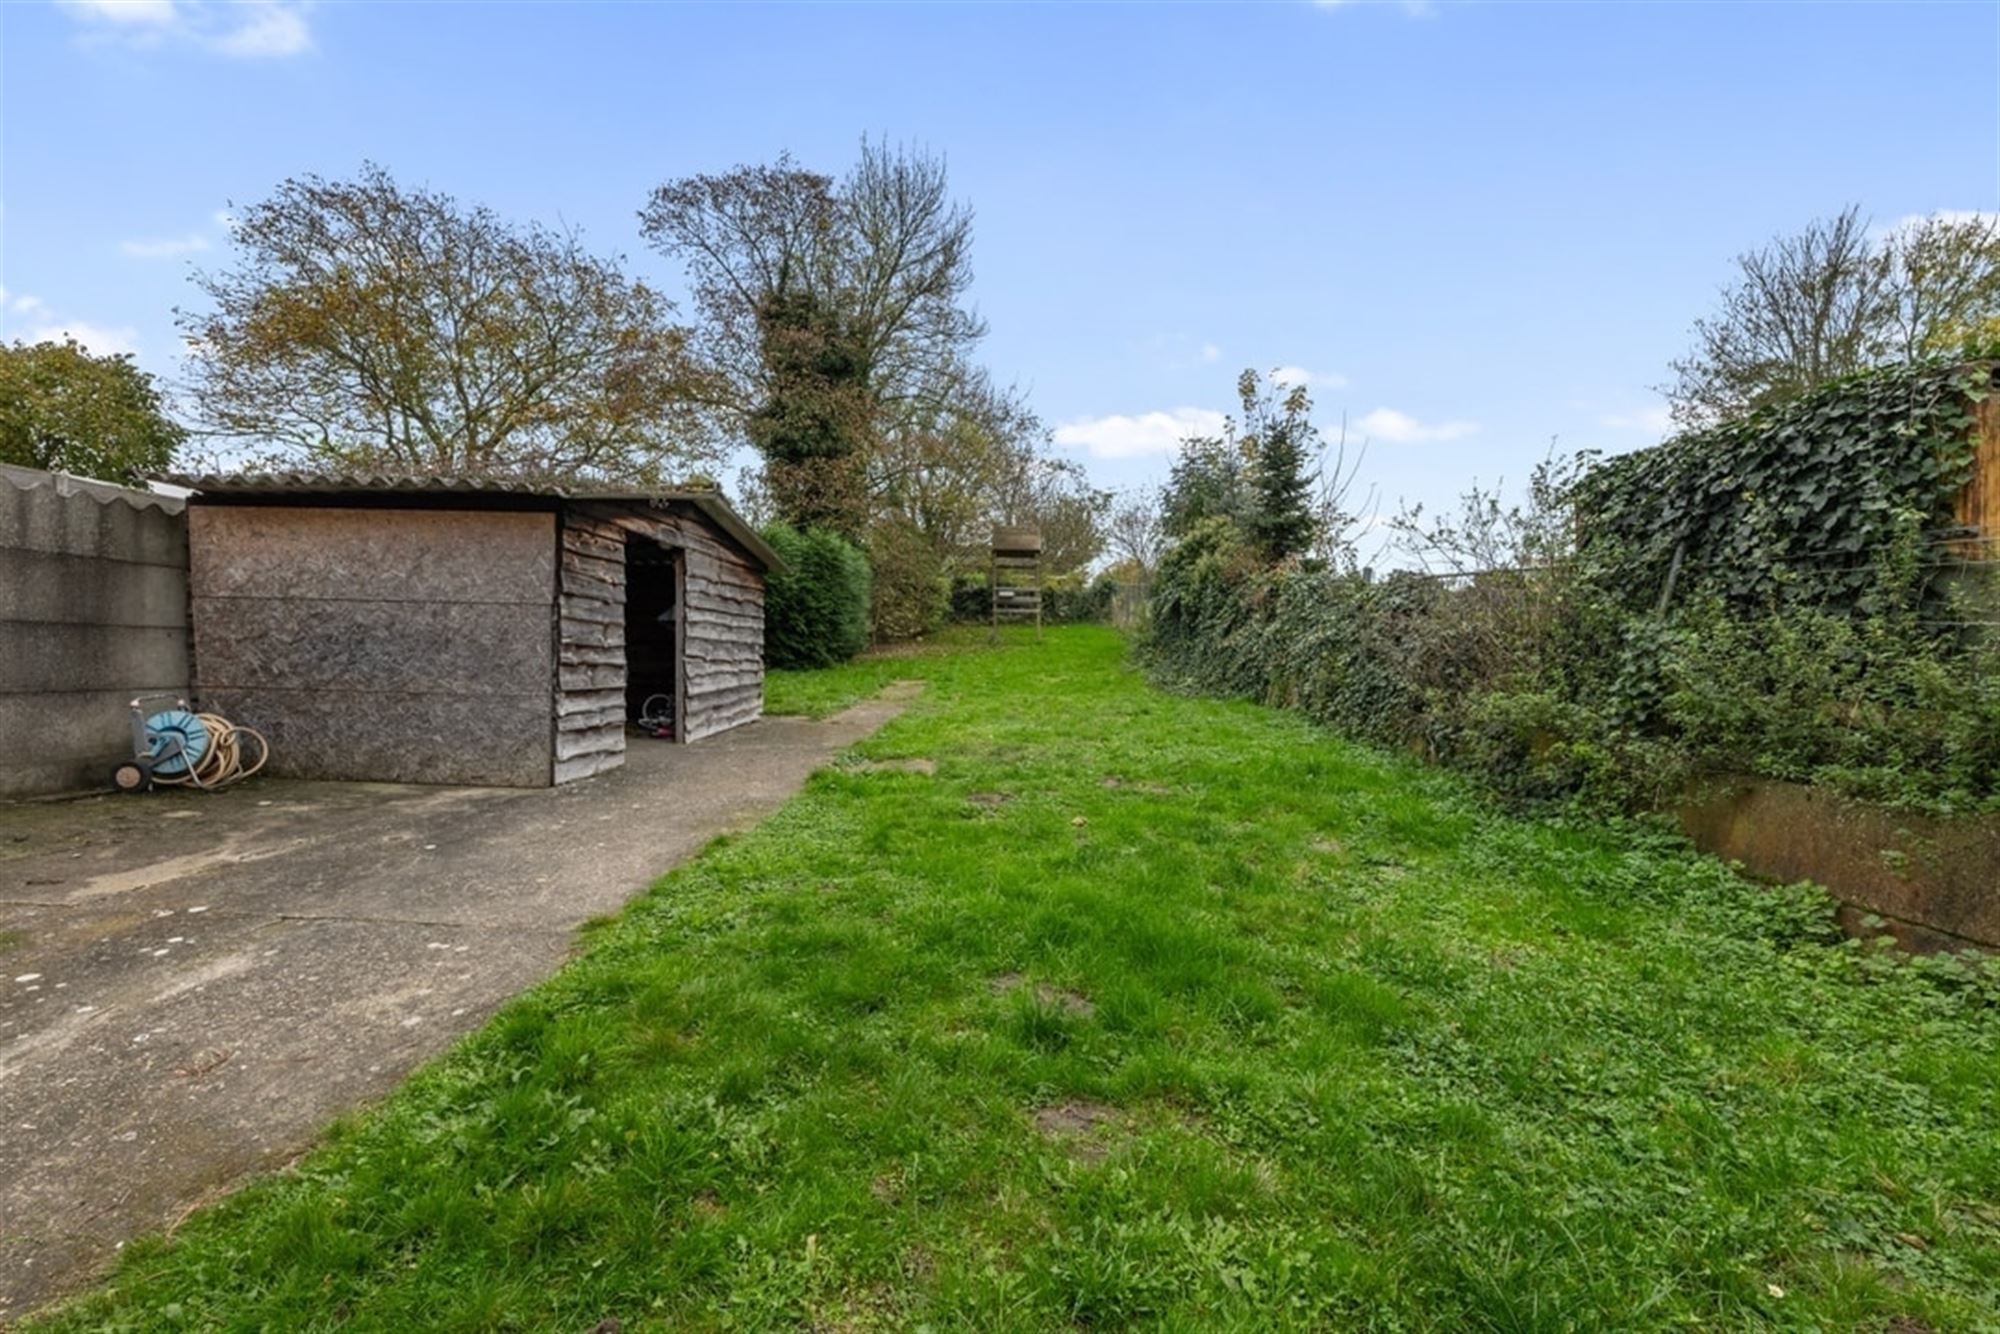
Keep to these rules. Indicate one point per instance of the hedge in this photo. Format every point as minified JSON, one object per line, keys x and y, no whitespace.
{"x":816,"y":610}
{"x":1808,"y":637}
{"x":1066,"y":600}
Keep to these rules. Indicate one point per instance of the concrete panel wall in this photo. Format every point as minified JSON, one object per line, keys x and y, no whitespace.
{"x":401,"y":645}
{"x":93,"y":611}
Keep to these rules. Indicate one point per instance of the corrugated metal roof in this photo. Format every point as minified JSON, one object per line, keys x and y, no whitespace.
{"x":708,"y":500}
{"x":322,"y":483}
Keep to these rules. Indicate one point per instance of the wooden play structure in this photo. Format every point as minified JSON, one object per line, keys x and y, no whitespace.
{"x":1016,"y":577}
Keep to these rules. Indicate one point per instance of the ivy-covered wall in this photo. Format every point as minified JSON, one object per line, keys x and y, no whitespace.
{"x":1804,"y":497}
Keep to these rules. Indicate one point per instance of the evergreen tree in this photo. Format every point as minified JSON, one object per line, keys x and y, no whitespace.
{"x":1281,"y":449}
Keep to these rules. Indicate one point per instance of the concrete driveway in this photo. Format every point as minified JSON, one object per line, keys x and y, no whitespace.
{"x":192,"y":985}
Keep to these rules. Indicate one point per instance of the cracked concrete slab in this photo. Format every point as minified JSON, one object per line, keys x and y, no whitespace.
{"x":193,"y":985}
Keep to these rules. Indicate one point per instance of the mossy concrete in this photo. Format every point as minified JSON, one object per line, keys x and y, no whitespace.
{"x":1935,"y":882}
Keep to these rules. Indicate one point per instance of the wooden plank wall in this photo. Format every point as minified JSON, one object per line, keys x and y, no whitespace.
{"x":1979,"y":503}
{"x":722,"y":651}
{"x":590,"y":647}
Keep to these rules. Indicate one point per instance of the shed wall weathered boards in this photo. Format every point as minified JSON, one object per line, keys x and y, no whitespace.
{"x":445,"y":631}
{"x":721,"y":630}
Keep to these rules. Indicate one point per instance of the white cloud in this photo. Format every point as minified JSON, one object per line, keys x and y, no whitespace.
{"x":170,"y":248}
{"x":250,"y":29}
{"x":1295,"y":376}
{"x":129,"y":13}
{"x":104,"y":342}
{"x":1210,"y":352}
{"x":1402,"y":429}
{"x":1122,"y":437}
{"x":1655,"y":420}
{"x":270,"y":28}
{"x":49,"y":329}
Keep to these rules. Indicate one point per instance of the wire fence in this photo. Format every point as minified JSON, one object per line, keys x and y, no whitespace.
{"x":1861,"y":560}
{"x":1128,"y":603}
{"x":1969,"y":554}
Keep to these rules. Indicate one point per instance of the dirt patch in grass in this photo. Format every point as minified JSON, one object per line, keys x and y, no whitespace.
{"x":854,"y":1311}
{"x":1080,"y":1125}
{"x":913,"y":765}
{"x":1056,"y":998}
{"x":1114,"y":783}
{"x":989,"y":800}
{"x":1331,"y":847}
{"x":908,"y":648}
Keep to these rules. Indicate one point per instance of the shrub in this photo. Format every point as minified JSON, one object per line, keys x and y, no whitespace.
{"x":911,"y":597}
{"x":1066,"y":599}
{"x":1084,"y":603}
{"x":968,"y":600}
{"x":816,"y":610}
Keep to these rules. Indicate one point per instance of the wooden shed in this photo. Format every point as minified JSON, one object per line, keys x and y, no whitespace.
{"x":448,"y":630}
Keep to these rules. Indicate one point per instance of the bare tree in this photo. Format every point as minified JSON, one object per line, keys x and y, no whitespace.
{"x":1489,"y":535}
{"x":366,"y":325}
{"x":884,"y":253}
{"x":748,"y":238}
{"x":1055,"y":497}
{"x":907,"y":263}
{"x":950,"y":468}
{"x":1944,"y":285}
{"x":1339,"y":521}
{"x":1835,"y":299}
{"x":1135,"y":533}
{"x":1805,"y":309}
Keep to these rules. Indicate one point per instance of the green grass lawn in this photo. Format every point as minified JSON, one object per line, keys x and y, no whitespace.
{"x":817,"y":694}
{"x":1152,"y":1010}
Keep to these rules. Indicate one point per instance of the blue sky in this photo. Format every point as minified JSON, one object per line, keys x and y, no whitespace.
{"x":1477,"y":227}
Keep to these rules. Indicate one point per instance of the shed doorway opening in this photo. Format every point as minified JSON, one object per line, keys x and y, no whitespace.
{"x":654,"y":633}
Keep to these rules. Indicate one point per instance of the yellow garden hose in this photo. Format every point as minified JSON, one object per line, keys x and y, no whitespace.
{"x":223,"y":762}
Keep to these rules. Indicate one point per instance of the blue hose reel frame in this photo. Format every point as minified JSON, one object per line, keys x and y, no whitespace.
{"x":176,"y":739}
